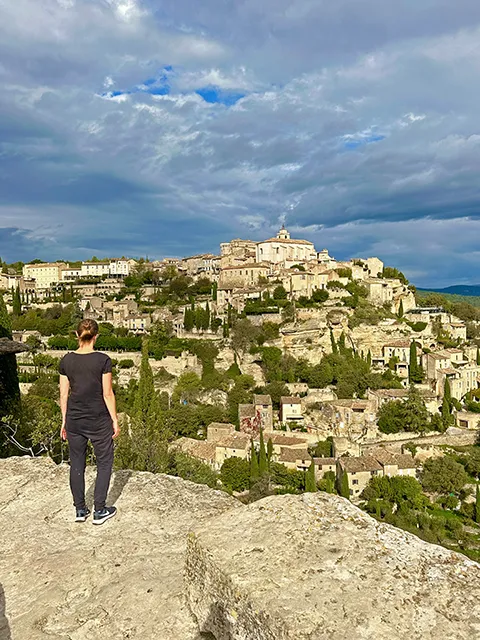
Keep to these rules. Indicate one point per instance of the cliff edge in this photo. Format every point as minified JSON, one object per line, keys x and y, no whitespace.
{"x":184,"y":562}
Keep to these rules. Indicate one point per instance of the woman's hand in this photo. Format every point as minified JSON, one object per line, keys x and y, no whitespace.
{"x":63,"y":433}
{"x":116,"y":429}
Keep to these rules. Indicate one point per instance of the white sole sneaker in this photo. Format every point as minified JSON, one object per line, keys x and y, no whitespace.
{"x":106,"y":517}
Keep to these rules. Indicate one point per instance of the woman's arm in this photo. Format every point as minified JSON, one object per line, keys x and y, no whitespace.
{"x":110,"y":401}
{"x":64,"y":391}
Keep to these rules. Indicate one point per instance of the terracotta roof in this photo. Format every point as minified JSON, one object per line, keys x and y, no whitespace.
{"x":282,"y":440}
{"x":234,"y":441}
{"x":292,"y":455}
{"x":262,"y":399}
{"x":221,"y":425}
{"x":197,"y":448}
{"x":398,"y":343}
{"x":362,"y":463}
{"x":246,"y":411}
{"x":351,"y":403}
{"x":252,"y":265}
{"x":448,"y":371}
{"x":405,"y":461}
{"x":383,"y":456}
{"x":324,"y":461}
{"x":290,"y":400}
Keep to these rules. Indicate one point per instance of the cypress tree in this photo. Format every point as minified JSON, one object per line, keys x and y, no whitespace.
{"x":310,"y":482}
{"x":145,"y":448}
{"x":334,"y":344}
{"x":344,"y":488}
{"x":369,"y":358}
{"x":17,"y":302}
{"x":9,"y":387}
{"x":414,"y":370}
{"x":478,"y":356}
{"x":477,"y":505}
{"x":400,"y":310}
{"x":341,"y":342}
{"x":447,"y":393}
{"x":214,"y":291}
{"x":254,"y":470}
{"x":269,"y":451}
{"x":206,"y":318}
{"x":262,"y":458}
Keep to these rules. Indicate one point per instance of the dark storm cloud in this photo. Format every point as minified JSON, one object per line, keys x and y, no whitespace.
{"x":135,"y":127}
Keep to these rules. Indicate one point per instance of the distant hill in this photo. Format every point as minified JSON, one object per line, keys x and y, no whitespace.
{"x":459,"y":290}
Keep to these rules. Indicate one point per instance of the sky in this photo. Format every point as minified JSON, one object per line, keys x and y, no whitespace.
{"x":164,"y":127}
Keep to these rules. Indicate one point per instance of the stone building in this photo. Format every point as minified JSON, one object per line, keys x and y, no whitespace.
{"x":256,"y":416}
{"x":285,"y":251}
{"x":291,"y":410}
{"x":45,"y":274}
{"x":323,"y":466}
{"x":244,"y":275}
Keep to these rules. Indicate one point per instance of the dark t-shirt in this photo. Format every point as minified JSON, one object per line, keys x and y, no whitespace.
{"x":86,"y":408}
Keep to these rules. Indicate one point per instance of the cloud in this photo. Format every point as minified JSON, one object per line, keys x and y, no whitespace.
{"x":138,"y":128}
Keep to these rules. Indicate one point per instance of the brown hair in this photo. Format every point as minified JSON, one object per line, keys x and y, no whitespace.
{"x":87,"y":330}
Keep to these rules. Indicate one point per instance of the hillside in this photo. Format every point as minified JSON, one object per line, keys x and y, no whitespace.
{"x":284,"y":568}
{"x":460,"y":293}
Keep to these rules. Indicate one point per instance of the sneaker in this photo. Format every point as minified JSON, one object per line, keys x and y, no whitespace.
{"x":82,"y":514}
{"x":99,"y":517}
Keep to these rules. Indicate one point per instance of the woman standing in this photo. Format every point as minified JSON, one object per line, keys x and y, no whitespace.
{"x":89,"y":413}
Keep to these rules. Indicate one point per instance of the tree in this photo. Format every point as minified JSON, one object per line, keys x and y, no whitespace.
{"x":369,"y":358}
{"x":401,"y":313}
{"x":447,"y":418}
{"x":262,"y":457}
{"x":344,"y":489}
{"x":477,"y":505}
{"x":333,"y":343}
{"x":320,"y":295}
{"x":415,"y":372}
{"x":143,"y":446}
{"x":280,"y":293}
{"x":254,"y":468}
{"x":187,"y":388}
{"x":188,"y":319}
{"x":17,"y":302}
{"x":244,"y":334}
{"x":235,"y":474}
{"x":443,"y":475}
{"x":310,"y":481}
{"x":269,"y":451}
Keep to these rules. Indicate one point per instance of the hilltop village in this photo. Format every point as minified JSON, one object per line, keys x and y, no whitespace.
{"x":336,"y":372}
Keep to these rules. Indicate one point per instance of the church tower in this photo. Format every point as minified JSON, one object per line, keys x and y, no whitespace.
{"x":283,"y":234}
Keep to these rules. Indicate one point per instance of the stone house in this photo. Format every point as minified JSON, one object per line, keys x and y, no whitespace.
{"x":291,"y":410}
{"x":217,"y":431}
{"x":199,"y":449}
{"x":245,"y":275}
{"x":296,"y":459}
{"x":323,"y":466}
{"x":138,"y":323}
{"x":256,"y":416}
{"x":235,"y":445}
{"x":468,"y":420}
{"x":380,"y":396}
{"x":359,"y":471}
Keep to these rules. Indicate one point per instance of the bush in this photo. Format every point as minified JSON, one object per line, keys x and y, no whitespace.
{"x":128,"y":363}
{"x":235,"y":474}
{"x":189,"y":468}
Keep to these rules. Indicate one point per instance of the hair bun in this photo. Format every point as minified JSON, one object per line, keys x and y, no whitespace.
{"x":87,"y":330}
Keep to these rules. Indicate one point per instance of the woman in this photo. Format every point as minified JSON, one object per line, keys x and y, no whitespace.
{"x":89,"y":413}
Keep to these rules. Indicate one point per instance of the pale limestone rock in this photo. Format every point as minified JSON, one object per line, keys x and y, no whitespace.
{"x":316,"y":567}
{"x":80,"y":582}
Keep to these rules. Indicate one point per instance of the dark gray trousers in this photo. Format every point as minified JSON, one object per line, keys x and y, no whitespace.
{"x":103,"y":448}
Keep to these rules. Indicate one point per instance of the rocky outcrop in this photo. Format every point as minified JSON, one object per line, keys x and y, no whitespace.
{"x":80,"y":582}
{"x":8,"y":347}
{"x":316,"y":567}
{"x":284,"y":568}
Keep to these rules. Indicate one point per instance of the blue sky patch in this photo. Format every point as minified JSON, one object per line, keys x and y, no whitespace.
{"x":354,"y":143}
{"x":216,"y":95}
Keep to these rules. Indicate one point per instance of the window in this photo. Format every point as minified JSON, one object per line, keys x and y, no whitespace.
{"x":355,"y":482}
{"x":351,"y":492}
